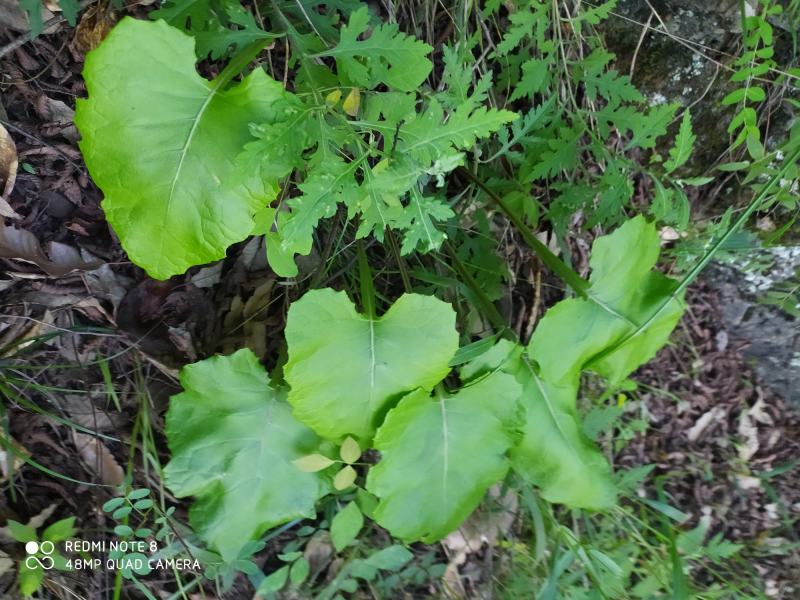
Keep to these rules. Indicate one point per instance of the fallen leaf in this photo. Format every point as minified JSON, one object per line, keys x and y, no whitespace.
{"x":15,"y":463}
{"x":713,"y":415}
{"x":83,"y":411}
{"x":8,"y":172}
{"x":22,"y":244}
{"x":6,"y":564}
{"x":94,"y":26}
{"x":98,"y":459}
{"x":483,"y":527}
{"x":59,"y":115}
{"x":318,"y":552}
{"x":12,"y":15}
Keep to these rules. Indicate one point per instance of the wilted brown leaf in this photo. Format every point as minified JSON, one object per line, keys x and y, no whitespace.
{"x":94,"y":26}
{"x":23,"y":245}
{"x":8,"y":172}
{"x":11,"y":464}
{"x":98,"y":459}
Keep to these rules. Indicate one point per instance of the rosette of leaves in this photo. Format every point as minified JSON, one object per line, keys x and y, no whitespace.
{"x":365,"y":382}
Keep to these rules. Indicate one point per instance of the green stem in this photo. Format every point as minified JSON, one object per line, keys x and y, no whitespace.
{"x":485,"y":305}
{"x":555,"y":264}
{"x":366,"y":283}
{"x":239,"y":62}
{"x":695,"y":271}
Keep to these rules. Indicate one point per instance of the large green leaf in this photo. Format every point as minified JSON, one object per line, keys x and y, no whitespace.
{"x":160,"y":142}
{"x":583,"y":334}
{"x":345,"y":368}
{"x":624,"y":292}
{"x":233,"y":441}
{"x":554,"y":452}
{"x":440,"y":455}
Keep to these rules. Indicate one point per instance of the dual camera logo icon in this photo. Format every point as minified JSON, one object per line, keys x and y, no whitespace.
{"x":45,"y":561}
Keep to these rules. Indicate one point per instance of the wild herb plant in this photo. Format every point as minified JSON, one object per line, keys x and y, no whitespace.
{"x":368,"y":406}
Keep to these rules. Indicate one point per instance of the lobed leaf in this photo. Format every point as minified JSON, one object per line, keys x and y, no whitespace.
{"x":166,"y":167}
{"x":573,"y":336}
{"x":387,"y":56}
{"x":345,"y":368}
{"x":234,"y":443}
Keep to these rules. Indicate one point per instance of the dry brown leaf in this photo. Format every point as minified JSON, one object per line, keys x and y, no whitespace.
{"x":12,"y":15}
{"x":8,"y":172}
{"x":58,"y":115}
{"x":62,"y":259}
{"x":94,"y":26}
{"x":14,"y":461}
{"x":84,"y":412}
{"x":484,"y":526}
{"x":258,"y":302}
{"x":318,"y":552}
{"x":38,"y":520}
{"x":98,"y":459}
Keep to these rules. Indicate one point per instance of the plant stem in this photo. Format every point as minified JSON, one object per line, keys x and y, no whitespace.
{"x":695,"y":271}
{"x":485,"y":305}
{"x":365,"y":281}
{"x":555,"y":264}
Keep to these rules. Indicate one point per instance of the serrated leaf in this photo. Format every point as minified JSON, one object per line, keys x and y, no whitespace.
{"x":346,"y":525}
{"x":428,"y":136}
{"x":645,"y":128}
{"x":171,"y":190}
{"x":330,"y":181}
{"x":344,"y":367}
{"x":350,"y":452}
{"x":424,"y":443}
{"x":387,"y":56}
{"x":562,"y":153}
{"x":233,"y":443}
{"x":684,"y":144}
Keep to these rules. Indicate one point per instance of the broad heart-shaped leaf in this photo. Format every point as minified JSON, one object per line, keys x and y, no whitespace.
{"x":440,"y":455}
{"x":624,"y":293}
{"x":578,"y":334}
{"x":345,"y":368}
{"x":233,"y":441}
{"x":160,"y":142}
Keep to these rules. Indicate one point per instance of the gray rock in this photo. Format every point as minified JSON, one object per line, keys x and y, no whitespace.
{"x":771,"y":335}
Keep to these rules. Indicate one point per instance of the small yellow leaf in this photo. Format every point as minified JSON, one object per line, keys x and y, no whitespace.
{"x":333,"y":97}
{"x":344,"y":478}
{"x":350,"y":451}
{"x":352,"y":102}
{"x":312,"y":463}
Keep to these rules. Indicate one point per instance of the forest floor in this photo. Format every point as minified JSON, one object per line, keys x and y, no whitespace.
{"x":101,"y":347}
